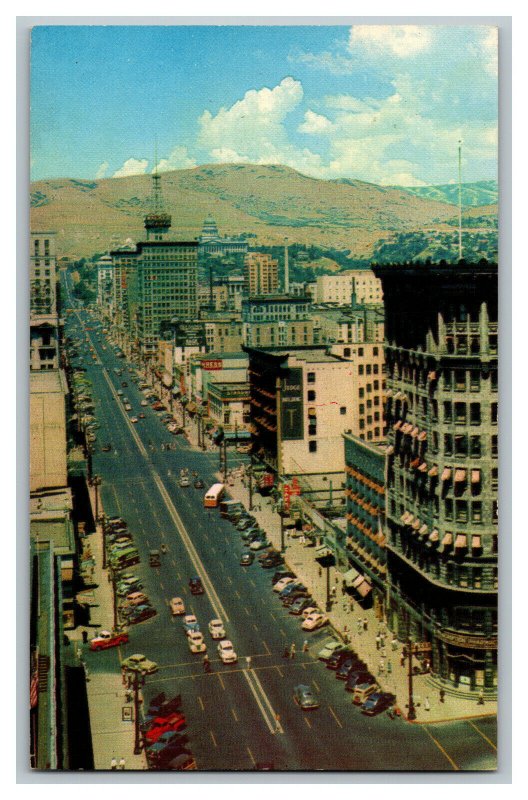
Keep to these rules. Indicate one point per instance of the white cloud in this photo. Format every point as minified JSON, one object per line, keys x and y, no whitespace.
{"x":178,"y":159}
{"x":252,"y":127}
{"x":133,"y":166}
{"x":403,"y":41}
{"x":335,"y":63}
{"x":101,"y":172}
{"x":314,"y":123}
{"x":490,"y":48}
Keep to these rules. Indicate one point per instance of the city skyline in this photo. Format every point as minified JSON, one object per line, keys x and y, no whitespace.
{"x":383,"y":104}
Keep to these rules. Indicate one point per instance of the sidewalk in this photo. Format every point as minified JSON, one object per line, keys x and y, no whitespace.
{"x":349,"y":620}
{"x":111,"y":736}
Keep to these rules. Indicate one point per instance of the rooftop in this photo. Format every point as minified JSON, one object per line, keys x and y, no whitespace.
{"x":49,"y":381}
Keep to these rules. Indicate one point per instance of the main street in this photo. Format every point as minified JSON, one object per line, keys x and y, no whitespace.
{"x":240,"y":714}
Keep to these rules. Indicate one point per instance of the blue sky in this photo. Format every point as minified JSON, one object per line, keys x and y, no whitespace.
{"x":385,"y":104}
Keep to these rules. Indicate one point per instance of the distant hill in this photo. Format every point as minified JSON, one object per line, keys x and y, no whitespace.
{"x":481,"y":193}
{"x":272,"y":202}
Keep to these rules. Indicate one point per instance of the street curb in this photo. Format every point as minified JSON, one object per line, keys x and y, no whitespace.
{"x":448,"y":719}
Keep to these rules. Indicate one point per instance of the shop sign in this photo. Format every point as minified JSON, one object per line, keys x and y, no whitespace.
{"x":292,"y":406}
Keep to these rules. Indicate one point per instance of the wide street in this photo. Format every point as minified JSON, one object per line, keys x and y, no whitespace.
{"x":242,"y":713}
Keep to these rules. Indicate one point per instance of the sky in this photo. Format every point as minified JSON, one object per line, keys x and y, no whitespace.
{"x":387,"y":104}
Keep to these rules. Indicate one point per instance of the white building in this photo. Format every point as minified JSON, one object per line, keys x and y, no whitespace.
{"x":339,"y":288}
{"x":105,"y":285}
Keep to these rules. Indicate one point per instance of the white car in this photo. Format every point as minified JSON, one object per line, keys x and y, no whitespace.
{"x":282,"y":584}
{"x":314,"y":621}
{"x":216,"y":629}
{"x":226,"y":652}
{"x":133,"y":419}
{"x":177,"y":606}
{"x":309,"y":611}
{"x":128,"y":407}
{"x":259,"y":544}
{"x":144,"y":403}
{"x":196,"y":642}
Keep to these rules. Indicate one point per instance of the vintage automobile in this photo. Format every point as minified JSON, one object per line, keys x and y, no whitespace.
{"x":106,"y":639}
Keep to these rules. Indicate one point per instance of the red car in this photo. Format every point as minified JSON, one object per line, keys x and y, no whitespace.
{"x":160,"y":726}
{"x":107,"y":639}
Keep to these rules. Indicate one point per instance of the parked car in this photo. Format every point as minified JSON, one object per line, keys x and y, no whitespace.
{"x":199,"y":484}
{"x":159,"y":705}
{"x":183,"y":761}
{"x":106,"y":639}
{"x":296,"y":586}
{"x":355,"y":678}
{"x":271,"y":560}
{"x":337,"y":658}
{"x":184,"y":482}
{"x":362,"y":692}
{"x":314,"y":621}
{"x":140,"y":614}
{"x":282,"y":582}
{"x":195,"y":586}
{"x":298,"y":605}
{"x":304,"y":697}
{"x":139,"y":663}
{"x":329,"y":647}
{"x":174,"y":723}
{"x":177,"y":606}
{"x":259,"y":544}
{"x":136,"y":599}
{"x":246,"y":559}
{"x":280,"y":574}
{"x":349,"y":665}
{"x":293,"y":597}
{"x":377,"y":702}
{"x":216,"y":629}
{"x":159,"y":758}
{"x":310,"y":610}
{"x":227,"y":652}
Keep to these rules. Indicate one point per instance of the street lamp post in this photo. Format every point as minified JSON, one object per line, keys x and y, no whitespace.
{"x":138,"y":681}
{"x":89,"y":453}
{"x":250,"y":476}
{"x":412,"y":710}
{"x":328,"y":599}
{"x":96,"y":482}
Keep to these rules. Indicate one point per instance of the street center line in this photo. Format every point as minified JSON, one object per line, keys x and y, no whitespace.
{"x":201,"y":703}
{"x":482,"y":734}
{"x":213,"y":738}
{"x":437,"y":743}
{"x":222,"y":684}
{"x":308,"y":722}
{"x":254,"y":686}
{"x":266,"y":648}
{"x":238,"y":594}
{"x":234,"y":715}
{"x":251,"y":756}
{"x":247,"y":611}
{"x":335,"y":716}
{"x":317,"y":689}
{"x":252,"y":582}
{"x":279,"y":671}
{"x":255,"y":627}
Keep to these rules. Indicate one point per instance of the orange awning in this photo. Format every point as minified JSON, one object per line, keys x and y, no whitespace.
{"x":415,"y":432}
{"x":414,"y":463}
{"x":364,"y":588}
{"x":433,"y":472}
{"x":447,"y":541}
{"x":397,"y":425}
{"x":475,"y":476}
{"x":423,"y":467}
{"x":422,"y":436}
{"x":433,"y":536}
{"x":460,"y":475}
{"x":446,"y":474}
{"x":475,"y":542}
{"x":423,"y":530}
{"x":416,"y":524}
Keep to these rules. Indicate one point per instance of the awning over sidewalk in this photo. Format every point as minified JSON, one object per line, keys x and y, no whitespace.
{"x":350,"y":576}
{"x":325,"y":556}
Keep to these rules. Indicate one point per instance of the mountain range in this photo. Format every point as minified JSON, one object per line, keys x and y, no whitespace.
{"x":270,"y":202}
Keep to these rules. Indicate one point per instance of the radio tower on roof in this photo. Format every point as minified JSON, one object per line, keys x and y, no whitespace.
{"x":157,"y":221}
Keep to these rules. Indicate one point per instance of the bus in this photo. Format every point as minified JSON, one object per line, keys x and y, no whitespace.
{"x":214,"y":495}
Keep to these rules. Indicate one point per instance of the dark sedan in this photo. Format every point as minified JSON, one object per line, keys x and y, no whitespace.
{"x":377,"y":702}
{"x":337,"y":658}
{"x":348,"y":665}
{"x":356,"y":678}
{"x":299,"y":604}
{"x":141,"y":613}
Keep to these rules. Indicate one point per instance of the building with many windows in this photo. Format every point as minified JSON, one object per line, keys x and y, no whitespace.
{"x":338,"y":288}
{"x":442,"y":478}
{"x":43,"y":306}
{"x":105,"y":286}
{"x":277,"y":321}
{"x":212,"y":244}
{"x":261,"y":274}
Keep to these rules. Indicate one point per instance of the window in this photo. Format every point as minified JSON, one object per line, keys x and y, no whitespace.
{"x":476,"y":511}
{"x":477,"y":578}
{"x":461,"y":445}
{"x":311,"y":394}
{"x":448,"y":509}
{"x":374,"y":351}
{"x":460,"y":413}
{"x":369,"y":436}
{"x":494,"y":445}
{"x":369,"y":369}
{"x":494,"y":413}
{"x":360,"y":369}
{"x":447,"y":412}
{"x":475,"y":413}
{"x":495,"y":478}
{"x":460,"y":380}
{"x":474,"y":446}
{"x":312,"y":446}
{"x":342,"y":410}
{"x":362,"y":392}
{"x":346,"y":352}
{"x":375,"y":386}
{"x":361,"y":424}
{"x":312,"y":428}
{"x":461,"y":510}
{"x":375,"y":369}
{"x":311,"y":377}
{"x":474,"y":378}
{"x":463,"y":576}
{"x":360,"y":352}
{"x":494,"y":380}
{"x":448,"y":444}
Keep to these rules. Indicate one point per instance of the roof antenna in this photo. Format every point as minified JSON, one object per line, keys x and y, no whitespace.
{"x":460,"y":199}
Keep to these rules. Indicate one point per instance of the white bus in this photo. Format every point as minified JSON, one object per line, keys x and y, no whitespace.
{"x":214,"y":495}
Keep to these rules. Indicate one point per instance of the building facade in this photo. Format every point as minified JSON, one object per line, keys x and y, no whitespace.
{"x":212,"y":244}
{"x":277,"y":321}
{"x":338,"y":288}
{"x":261,"y":274}
{"x":442,"y":478}
{"x":105,"y":285}
{"x":43,"y":310}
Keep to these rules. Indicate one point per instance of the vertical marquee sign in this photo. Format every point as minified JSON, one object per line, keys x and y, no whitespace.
{"x":292,"y":405}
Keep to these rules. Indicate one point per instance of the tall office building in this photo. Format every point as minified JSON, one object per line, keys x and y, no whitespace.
{"x":441,"y":412}
{"x":261,"y":273}
{"x":156,"y":281}
{"x":43,"y":310}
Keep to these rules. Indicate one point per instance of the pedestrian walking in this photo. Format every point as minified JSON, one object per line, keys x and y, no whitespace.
{"x":345,"y":605}
{"x":394,"y":643}
{"x":382,"y":640}
{"x":381,"y":667}
{"x":383,"y":653}
{"x":365,"y":624}
{"x":402,"y":660}
{"x":442,"y":695}
{"x":292,"y":650}
{"x":248,"y":662}
{"x":389,"y":667}
{"x":113,"y":763}
{"x":122,"y":763}
{"x":427,"y":704}
{"x":343,"y":589}
{"x":480,"y":701}
{"x":378,"y":641}
{"x":305,"y":646}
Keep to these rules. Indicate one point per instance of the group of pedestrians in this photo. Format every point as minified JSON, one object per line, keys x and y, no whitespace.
{"x":114,"y":763}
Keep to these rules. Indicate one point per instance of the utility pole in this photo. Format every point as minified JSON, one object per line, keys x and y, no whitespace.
{"x":137,"y":682}
{"x":460,"y":199}
{"x":250,"y":475}
{"x":328,"y":600}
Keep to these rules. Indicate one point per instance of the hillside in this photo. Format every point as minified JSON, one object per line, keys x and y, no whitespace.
{"x":481,"y":193}
{"x":272,"y":202}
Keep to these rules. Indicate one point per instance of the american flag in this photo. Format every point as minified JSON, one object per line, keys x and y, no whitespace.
{"x":33,"y":689}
